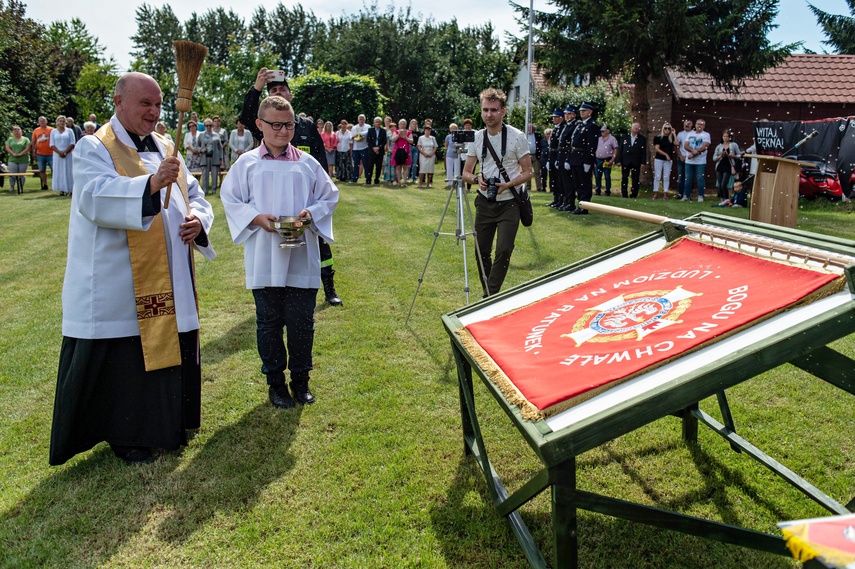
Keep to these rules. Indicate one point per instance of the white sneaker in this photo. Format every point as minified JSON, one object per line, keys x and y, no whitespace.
{"x":700,"y":199}
{"x":684,"y":199}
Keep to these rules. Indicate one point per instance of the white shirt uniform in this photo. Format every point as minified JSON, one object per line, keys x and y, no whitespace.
{"x":282,"y":188}
{"x":516,"y":147}
{"x":98,"y":291}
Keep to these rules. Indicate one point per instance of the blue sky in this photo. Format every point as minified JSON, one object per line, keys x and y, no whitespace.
{"x":113,"y":22}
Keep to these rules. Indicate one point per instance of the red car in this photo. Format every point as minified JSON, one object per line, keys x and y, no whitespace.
{"x":818,"y":179}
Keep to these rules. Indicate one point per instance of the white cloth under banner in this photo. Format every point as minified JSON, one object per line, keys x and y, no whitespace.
{"x":280,"y":188}
{"x":98,"y":293}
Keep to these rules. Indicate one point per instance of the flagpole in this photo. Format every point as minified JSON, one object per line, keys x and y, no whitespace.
{"x":530,"y":60}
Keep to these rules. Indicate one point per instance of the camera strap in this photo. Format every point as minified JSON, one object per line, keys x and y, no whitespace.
{"x":487,"y":146}
{"x":519,"y":197}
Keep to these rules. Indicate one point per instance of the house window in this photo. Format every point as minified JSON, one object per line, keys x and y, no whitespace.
{"x":516,"y":93}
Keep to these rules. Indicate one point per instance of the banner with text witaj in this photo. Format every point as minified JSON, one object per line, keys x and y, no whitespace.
{"x":565,"y":348}
{"x":833,"y":143}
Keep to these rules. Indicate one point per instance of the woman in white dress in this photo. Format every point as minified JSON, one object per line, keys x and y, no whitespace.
{"x":62,"y":141}
{"x":240,"y":141}
{"x":427,"y":157}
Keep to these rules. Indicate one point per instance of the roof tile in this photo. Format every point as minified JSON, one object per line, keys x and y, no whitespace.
{"x":806,"y":78}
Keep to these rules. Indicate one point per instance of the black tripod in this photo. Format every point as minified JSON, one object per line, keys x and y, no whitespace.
{"x":458,"y":189}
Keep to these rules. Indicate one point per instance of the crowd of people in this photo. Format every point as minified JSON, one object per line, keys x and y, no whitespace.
{"x":689,"y":149}
{"x":400,"y":153}
{"x":47,"y":147}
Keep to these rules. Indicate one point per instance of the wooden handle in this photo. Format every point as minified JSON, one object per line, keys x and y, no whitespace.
{"x":628,"y":213}
{"x":174,"y":153}
{"x":740,"y":238}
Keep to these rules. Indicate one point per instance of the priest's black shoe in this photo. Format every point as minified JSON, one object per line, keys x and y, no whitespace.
{"x":579,"y":211}
{"x":302,"y":395}
{"x":133,"y":455}
{"x":280,"y":397}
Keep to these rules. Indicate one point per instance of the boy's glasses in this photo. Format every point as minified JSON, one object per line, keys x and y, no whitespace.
{"x":280,"y":125}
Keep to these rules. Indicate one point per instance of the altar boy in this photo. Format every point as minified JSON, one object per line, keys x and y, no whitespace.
{"x":275,"y":180}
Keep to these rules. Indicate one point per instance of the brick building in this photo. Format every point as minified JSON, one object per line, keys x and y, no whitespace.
{"x":804,"y":87}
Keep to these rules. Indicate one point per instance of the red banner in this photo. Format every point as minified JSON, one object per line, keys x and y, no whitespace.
{"x":566,"y":347}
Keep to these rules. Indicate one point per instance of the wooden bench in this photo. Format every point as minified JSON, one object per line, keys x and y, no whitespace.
{"x":198,"y":175}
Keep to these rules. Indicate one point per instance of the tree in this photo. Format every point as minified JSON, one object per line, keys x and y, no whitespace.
{"x":217,"y":30}
{"x":840,"y":30}
{"x":614,"y":106}
{"x":73,"y":48}
{"x":153,"y":53}
{"x":221,"y":87}
{"x":423,"y":69}
{"x":27,"y":83}
{"x":471,"y":59}
{"x":640,"y":38}
{"x":94,"y":89}
{"x":290,"y":34}
{"x":333,"y":97}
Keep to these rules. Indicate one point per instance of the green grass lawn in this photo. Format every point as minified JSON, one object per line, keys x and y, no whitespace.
{"x":373,"y":475}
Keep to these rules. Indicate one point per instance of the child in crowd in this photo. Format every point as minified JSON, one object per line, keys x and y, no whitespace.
{"x":739,"y":199}
{"x":277,"y":179}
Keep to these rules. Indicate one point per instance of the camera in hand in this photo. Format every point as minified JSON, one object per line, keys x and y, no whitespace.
{"x":492,"y":188}
{"x":463,"y":136}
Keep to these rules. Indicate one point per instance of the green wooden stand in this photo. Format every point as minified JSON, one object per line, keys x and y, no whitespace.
{"x":804,"y":345}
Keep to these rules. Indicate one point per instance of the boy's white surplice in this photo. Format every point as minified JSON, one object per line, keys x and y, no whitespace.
{"x":282,"y":188}
{"x":98,"y":292}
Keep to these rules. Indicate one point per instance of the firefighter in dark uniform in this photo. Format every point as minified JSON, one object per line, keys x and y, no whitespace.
{"x":558,"y":125}
{"x":566,"y":172}
{"x":583,"y":155}
{"x":306,"y":138}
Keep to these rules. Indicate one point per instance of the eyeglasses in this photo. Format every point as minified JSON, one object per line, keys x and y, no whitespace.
{"x":280,"y":125}
{"x":667,"y":128}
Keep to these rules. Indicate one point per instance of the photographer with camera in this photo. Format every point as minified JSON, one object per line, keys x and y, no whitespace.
{"x":497,"y":213}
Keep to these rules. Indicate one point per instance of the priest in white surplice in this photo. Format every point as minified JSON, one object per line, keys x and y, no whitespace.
{"x":129,"y":364}
{"x":278,"y":179}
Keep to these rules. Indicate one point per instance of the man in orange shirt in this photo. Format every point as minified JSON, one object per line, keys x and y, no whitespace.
{"x":42,"y":151}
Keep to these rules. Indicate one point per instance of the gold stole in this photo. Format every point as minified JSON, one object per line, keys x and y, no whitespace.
{"x":149,"y":265}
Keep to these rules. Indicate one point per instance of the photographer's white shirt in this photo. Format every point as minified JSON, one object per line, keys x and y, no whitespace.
{"x":516,"y":148}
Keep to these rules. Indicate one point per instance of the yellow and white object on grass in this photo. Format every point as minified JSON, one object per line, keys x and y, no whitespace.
{"x":829,"y":540}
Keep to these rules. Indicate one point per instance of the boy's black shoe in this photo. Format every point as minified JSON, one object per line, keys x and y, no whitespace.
{"x":280,"y":397}
{"x":302,"y":394}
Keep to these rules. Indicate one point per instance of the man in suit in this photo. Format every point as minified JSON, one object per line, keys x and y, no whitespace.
{"x":543,"y":158}
{"x":376,"y":150}
{"x":582,"y":158}
{"x":534,"y":138}
{"x":565,"y":172}
{"x":554,"y":165}
{"x":632,"y":154}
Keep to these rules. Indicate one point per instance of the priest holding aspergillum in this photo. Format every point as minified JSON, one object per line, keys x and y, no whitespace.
{"x":129,"y":369}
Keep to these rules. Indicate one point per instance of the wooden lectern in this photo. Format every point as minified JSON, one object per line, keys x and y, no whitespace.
{"x":775,"y":196}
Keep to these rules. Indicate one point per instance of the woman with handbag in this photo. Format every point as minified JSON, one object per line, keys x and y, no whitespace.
{"x":401,"y":141}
